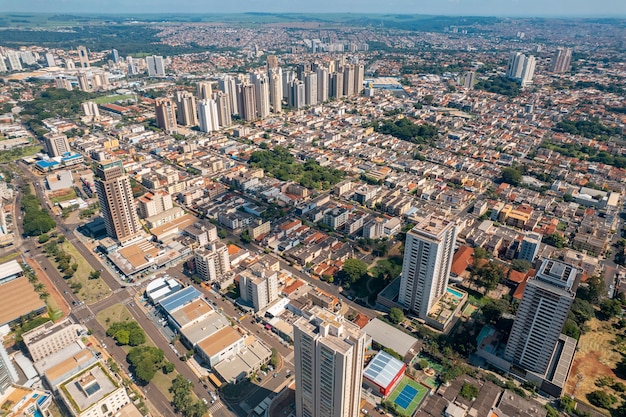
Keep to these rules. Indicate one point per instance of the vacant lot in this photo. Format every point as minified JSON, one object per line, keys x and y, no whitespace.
{"x":92,"y":289}
{"x":115,"y":313}
{"x":595,"y":358}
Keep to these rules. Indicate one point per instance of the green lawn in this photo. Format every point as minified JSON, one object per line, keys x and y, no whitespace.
{"x":115,"y":313}
{"x":113,"y":99}
{"x":19,"y":153}
{"x":93,"y":289}
{"x":417,"y":400}
{"x":58,"y":197}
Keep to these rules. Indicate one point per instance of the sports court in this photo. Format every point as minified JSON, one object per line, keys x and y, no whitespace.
{"x":408,"y":395}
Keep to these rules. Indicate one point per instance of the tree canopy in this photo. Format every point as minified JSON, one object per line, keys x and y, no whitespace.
{"x":37,"y":221}
{"x":511,"y":176}
{"x":407,"y":130}
{"x":280,"y":164}
{"x":396,"y":315}
{"x":353,"y":270}
{"x":127,"y":333}
{"x":499,"y":85}
{"x":146,"y":361}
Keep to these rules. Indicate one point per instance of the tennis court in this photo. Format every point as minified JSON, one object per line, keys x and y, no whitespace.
{"x":408,"y":395}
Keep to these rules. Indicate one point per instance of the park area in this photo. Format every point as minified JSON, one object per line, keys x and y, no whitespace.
{"x":119,"y":313}
{"x":597,"y":358}
{"x":407,"y":396}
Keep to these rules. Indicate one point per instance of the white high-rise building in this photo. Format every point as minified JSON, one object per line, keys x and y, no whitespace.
{"x":561,"y":60}
{"x":212,"y":263}
{"x":426,"y":267}
{"x":83,"y":57}
{"x":156,"y":66}
{"x":208,"y":116}
{"x":50,"y":60}
{"x":310,"y":88}
{"x":3,"y":64}
{"x":329,"y":355}
{"x":228,"y":86}
{"x":185,"y":108}
{"x":529,"y":247}
{"x":70,"y":64}
{"x":541,"y":315}
{"x":348,"y":80}
{"x":262,"y":94}
{"x":90,"y":108}
{"x":288,"y":77}
{"x":8,"y":375}
{"x":258,"y":286}
{"x":297,"y":94}
{"x":205,"y":91}
{"x":521,"y":68}
{"x":359,"y":75}
{"x":247,"y":107}
{"x":223,"y":108}
{"x":13,"y":61}
{"x":322,"y":84}
{"x":276,"y":90}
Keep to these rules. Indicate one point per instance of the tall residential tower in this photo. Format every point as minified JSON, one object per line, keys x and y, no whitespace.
{"x":426,"y":267}
{"x":116,"y":201}
{"x":541,"y":315}
{"x":329,"y":354}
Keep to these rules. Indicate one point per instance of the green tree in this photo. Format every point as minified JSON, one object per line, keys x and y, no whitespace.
{"x":168,"y":367}
{"x":122,"y":337}
{"x":136,"y":337}
{"x":601,"y":399}
{"x":480,"y":253}
{"x":43,"y":238}
{"x":520,"y":265}
{"x":511,"y":176}
{"x":591,"y":290}
{"x":353,"y":270}
{"x":145,"y":360}
{"x":94,"y":274}
{"x":468,"y":391}
{"x":610,"y":309}
{"x":396,"y":316}
{"x":555,"y":239}
{"x":181,"y":390}
{"x":493,"y":310}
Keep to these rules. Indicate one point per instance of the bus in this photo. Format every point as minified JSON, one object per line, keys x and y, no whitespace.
{"x":215,"y":380}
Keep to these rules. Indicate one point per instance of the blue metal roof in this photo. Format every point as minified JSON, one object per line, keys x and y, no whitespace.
{"x":180,"y":298}
{"x":383,"y":369}
{"x":47,"y":164}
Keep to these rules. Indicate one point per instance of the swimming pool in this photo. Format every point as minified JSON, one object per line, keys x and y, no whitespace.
{"x":455,"y":293}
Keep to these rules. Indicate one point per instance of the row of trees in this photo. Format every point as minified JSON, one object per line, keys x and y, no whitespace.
{"x":181,"y":390}
{"x":36,"y":220}
{"x":64,"y":261}
{"x":591,"y":129}
{"x":586,"y":152}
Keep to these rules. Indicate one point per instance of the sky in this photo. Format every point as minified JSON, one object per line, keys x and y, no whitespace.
{"x":539,"y":8}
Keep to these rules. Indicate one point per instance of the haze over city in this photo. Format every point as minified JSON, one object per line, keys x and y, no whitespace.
{"x":539,"y":8}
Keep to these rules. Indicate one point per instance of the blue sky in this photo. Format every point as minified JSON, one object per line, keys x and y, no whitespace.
{"x":578,"y":8}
